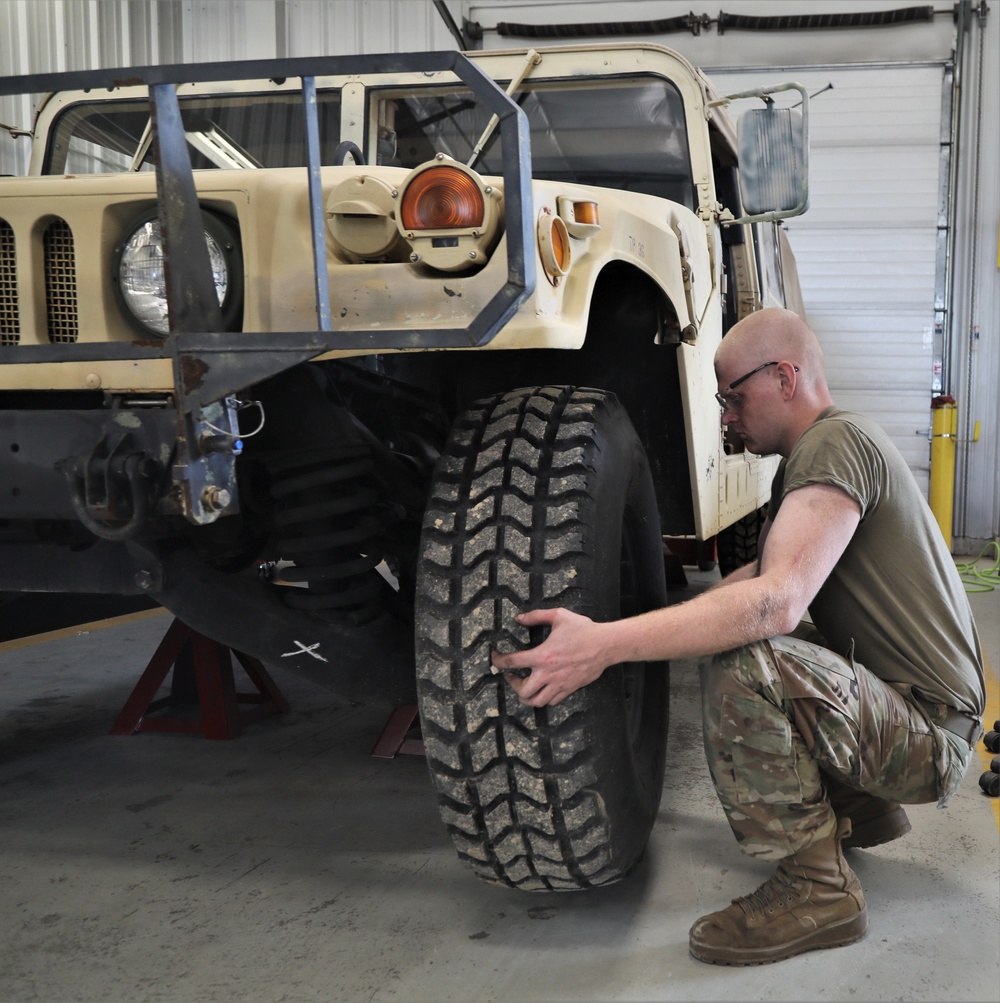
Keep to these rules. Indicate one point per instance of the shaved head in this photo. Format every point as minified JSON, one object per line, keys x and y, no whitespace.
{"x":772,"y":334}
{"x":771,"y":412}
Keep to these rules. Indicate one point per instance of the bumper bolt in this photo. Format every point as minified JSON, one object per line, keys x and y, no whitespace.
{"x":215,"y":499}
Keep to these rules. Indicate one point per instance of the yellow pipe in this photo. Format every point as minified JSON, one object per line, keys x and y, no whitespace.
{"x":944,"y":430}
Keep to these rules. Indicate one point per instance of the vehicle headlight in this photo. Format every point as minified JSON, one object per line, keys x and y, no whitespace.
{"x":140,"y":276}
{"x":448,"y":215}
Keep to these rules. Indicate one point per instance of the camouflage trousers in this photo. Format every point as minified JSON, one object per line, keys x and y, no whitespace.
{"x":781,"y":714}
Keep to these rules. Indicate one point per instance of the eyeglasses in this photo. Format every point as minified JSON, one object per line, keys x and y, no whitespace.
{"x":732,"y":402}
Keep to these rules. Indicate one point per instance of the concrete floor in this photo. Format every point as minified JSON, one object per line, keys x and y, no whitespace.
{"x":289,"y":865}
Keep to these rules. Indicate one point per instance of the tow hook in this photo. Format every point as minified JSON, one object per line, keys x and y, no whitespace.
{"x":110,"y":487}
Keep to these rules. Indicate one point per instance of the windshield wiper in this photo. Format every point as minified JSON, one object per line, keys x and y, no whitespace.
{"x":143,"y":148}
{"x":531,"y":59}
{"x":209,"y":140}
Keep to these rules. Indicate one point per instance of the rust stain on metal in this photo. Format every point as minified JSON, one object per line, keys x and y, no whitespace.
{"x":193,"y":371}
{"x":127,"y":82}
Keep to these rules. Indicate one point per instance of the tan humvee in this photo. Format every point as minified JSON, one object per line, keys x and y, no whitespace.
{"x":345,"y":361}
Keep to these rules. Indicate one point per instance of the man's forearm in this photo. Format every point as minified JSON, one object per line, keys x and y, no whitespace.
{"x":742,"y":608}
{"x":578,"y":649}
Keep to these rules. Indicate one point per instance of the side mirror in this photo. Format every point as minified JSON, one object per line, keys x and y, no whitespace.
{"x":774,"y":157}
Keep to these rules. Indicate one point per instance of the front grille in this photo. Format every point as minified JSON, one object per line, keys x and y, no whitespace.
{"x":60,"y":282}
{"x":10,"y":319}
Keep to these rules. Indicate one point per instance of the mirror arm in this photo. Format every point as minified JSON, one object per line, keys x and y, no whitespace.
{"x":772,"y":217}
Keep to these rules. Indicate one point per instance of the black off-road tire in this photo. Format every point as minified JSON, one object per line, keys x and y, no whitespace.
{"x":737,"y":544}
{"x":542,"y":498}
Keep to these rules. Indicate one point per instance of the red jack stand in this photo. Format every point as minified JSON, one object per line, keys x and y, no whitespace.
{"x":393,"y":740}
{"x":203,"y":675}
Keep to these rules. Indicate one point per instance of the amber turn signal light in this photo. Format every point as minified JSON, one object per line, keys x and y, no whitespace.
{"x":553,"y":246}
{"x":442,"y":198}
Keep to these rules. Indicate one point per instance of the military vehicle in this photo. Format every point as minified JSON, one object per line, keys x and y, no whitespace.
{"x":347,"y":360}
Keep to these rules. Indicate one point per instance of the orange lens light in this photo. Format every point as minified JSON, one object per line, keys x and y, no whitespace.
{"x":442,"y":198}
{"x":553,"y":246}
{"x":560,"y":245}
{"x":586,"y":212}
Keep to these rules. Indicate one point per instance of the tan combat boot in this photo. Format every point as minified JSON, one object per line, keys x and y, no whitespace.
{"x":874,"y":820}
{"x":813,"y":900}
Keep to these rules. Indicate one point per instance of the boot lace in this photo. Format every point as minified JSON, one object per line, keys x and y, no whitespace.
{"x":778,"y":891}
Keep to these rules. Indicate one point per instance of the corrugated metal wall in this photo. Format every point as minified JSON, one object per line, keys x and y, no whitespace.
{"x":81,"y":34}
{"x":38,"y":35}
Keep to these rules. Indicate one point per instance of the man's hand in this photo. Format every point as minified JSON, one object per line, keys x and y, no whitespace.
{"x":570,"y":657}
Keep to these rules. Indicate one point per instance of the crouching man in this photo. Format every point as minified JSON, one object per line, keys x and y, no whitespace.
{"x":813,"y":744}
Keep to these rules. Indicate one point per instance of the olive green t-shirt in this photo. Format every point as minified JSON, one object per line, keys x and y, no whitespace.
{"x":894,"y":595}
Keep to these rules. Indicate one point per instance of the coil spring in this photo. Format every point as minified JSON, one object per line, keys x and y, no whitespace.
{"x":330,"y":529}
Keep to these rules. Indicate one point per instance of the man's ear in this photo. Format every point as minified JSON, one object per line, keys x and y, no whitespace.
{"x":788,"y":375}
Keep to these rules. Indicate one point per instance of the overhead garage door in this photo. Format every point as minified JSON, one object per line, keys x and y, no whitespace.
{"x":867,"y":249}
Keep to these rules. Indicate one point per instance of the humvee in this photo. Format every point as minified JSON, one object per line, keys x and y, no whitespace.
{"x":346,"y":360}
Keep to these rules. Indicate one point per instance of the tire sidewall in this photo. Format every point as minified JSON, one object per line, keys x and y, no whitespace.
{"x":624,"y":502}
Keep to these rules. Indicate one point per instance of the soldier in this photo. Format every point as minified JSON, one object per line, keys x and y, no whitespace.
{"x":813,"y":744}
